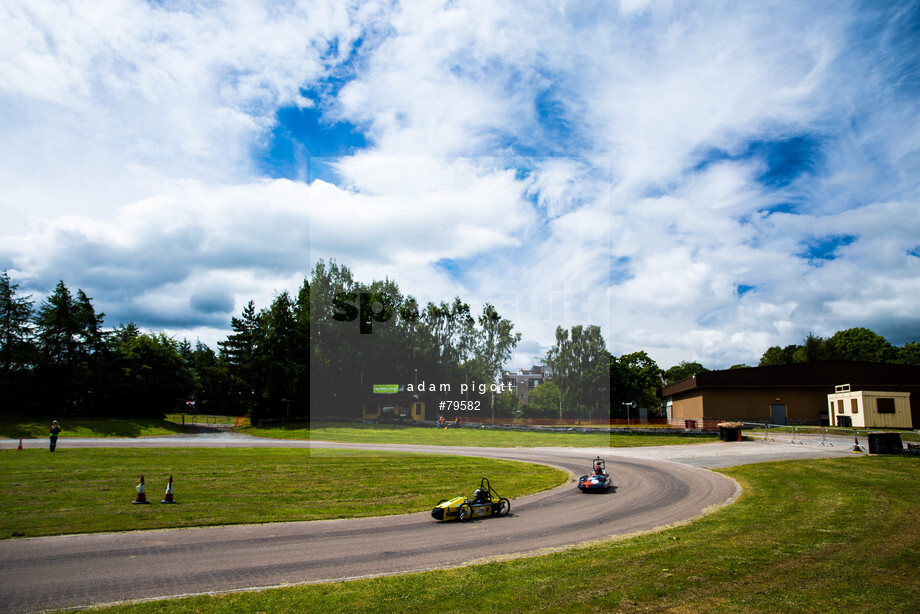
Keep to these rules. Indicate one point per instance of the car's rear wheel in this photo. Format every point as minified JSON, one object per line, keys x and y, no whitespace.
{"x":503,"y":507}
{"x":465,"y":512}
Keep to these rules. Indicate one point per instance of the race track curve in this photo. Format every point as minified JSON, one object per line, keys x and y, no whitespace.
{"x":80,"y":570}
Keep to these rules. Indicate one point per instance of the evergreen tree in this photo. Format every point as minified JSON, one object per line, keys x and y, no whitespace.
{"x":278,"y":352}
{"x":211,"y":381}
{"x":241,"y":353}
{"x":154,"y":379}
{"x":58,"y":328}
{"x":16,"y":349}
{"x":69,"y":334}
{"x":301,"y":374}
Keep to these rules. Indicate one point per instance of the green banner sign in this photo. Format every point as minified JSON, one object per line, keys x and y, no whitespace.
{"x":386,"y":388}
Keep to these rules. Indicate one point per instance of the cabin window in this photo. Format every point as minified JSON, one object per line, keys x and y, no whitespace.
{"x":854,"y":406}
{"x":885,"y":405}
{"x":839,"y":406}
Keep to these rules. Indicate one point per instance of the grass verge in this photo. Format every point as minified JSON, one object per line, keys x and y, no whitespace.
{"x":838,"y":535}
{"x":13,"y":426}
{"x":466,"y":436}
{"x":91,"y":490}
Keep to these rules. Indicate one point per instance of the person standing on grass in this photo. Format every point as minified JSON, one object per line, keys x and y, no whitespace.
{"x":53,"y":433}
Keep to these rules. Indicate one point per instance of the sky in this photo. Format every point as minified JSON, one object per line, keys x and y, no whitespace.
{"x":703,"y":180}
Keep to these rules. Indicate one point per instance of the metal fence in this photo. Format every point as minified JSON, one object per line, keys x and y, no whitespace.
{"x":207,"y":419}
{"x":854,"y":439}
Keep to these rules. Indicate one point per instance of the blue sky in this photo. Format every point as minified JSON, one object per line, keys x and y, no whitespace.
{"x":704,"y":180}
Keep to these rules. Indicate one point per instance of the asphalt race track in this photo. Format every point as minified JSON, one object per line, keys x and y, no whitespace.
{"x":80,"y":570}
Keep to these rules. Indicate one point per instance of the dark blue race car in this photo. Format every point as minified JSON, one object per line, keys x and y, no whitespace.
{"x":597,"y":480}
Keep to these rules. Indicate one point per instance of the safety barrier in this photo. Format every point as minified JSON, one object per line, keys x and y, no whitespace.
{"x":587,"y":422}
{"x":207,"y":419}
{"x":855,"y":439}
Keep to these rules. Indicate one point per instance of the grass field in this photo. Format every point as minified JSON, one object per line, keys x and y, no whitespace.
{"x":839,"y":535}
{"x":465,"y":436}
{"x":91,"y":490}
{"x":816,"y":536}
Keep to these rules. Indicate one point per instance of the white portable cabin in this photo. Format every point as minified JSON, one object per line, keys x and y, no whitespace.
{"x":869,"y":408}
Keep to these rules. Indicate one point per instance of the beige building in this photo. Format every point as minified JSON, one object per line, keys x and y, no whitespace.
{"x":789,"y":394}
{"x":869,"y":408}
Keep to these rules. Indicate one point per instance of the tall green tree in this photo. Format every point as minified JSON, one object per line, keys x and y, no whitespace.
{"x":813,"y":349}
{"x":496,"y":343}
{"x":154,"y":377}
{"x":69,"y":334}
{"x":581,"y":369}
{"x":635,"y":378}
{"x":682,"y":371}
{"x":211,"y":381}
{"x":58,"y":328}
{"x":909,"y":353}
{"x":862,"y":345}
{"x":301,"y":310}
{"x":16,"y":349}
{"x":332,"y":362}
{"x":241,"y":353}
{"x":775,"y":356}
{"x":280,"y":357}
{"x":543,"y":401}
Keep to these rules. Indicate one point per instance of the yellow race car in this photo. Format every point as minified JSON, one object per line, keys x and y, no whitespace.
{"x":485,"y":502}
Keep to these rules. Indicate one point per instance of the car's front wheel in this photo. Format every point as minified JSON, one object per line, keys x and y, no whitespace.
{"x":465,"y":512}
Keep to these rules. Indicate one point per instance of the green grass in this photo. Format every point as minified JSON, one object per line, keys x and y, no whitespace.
{"x":839,"y":535}
{"x":466,"y":436}
{"x":91,"y":490}
{"x":13,"y":426}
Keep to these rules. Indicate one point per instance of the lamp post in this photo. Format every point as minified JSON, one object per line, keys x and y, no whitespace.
{"x":628,"y":406}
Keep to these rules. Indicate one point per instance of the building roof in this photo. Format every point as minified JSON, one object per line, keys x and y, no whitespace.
{"x":534,"y":371}
{"x":860,"y":375}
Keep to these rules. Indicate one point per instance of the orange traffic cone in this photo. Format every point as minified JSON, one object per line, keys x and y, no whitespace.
{"x":20,"y":444}
{"x":168,"y":497}
{"x":141,"y":495}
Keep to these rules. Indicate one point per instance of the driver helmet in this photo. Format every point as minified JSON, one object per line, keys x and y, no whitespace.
{"x":480,"y":493}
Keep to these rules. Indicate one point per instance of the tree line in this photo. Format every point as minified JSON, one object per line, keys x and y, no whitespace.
{"x":852,"y":344}
{"x":295,"y":355}
{"x":323,"y":349}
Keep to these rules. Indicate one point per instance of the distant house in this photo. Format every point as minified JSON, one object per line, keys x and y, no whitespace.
{"x":526,"y":380}
{"x":787,"y":394}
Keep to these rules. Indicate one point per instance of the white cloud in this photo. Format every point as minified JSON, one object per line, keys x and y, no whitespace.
{"x":110,"y":98}
{"x":566,"y":162}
